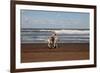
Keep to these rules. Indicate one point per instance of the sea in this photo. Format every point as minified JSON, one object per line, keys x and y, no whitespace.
{"x":63,"y":35}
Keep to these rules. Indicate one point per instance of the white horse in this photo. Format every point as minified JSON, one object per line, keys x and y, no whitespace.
{"x":52,"y":44}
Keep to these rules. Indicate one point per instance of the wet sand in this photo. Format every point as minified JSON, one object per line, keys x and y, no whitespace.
{"x":38,"y":52}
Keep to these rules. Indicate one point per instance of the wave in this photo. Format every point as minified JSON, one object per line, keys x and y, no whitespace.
{"x":71,"y":32}
{"x":65,"y":31}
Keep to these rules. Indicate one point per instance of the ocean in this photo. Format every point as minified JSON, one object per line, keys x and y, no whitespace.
{"x":64,"y":35}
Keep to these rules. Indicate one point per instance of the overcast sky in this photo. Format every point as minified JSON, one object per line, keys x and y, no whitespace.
{"x":51,"y":19}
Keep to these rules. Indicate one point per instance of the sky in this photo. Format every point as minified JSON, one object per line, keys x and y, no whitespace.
{"x":54,"y":19}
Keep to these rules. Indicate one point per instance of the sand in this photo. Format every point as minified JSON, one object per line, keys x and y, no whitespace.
{"x":39,"y":52}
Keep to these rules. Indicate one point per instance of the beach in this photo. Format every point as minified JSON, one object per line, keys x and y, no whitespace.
{"x":39,"y":52}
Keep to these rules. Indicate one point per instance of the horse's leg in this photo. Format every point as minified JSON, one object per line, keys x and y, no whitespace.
{"x":49,"y":45}
{"x":56,"y":44}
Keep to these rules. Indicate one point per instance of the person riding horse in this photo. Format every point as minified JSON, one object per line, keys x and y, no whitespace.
{"x":52,"y":41}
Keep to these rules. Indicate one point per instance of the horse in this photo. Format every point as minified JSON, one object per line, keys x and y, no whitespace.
{"x":52,"y":42}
